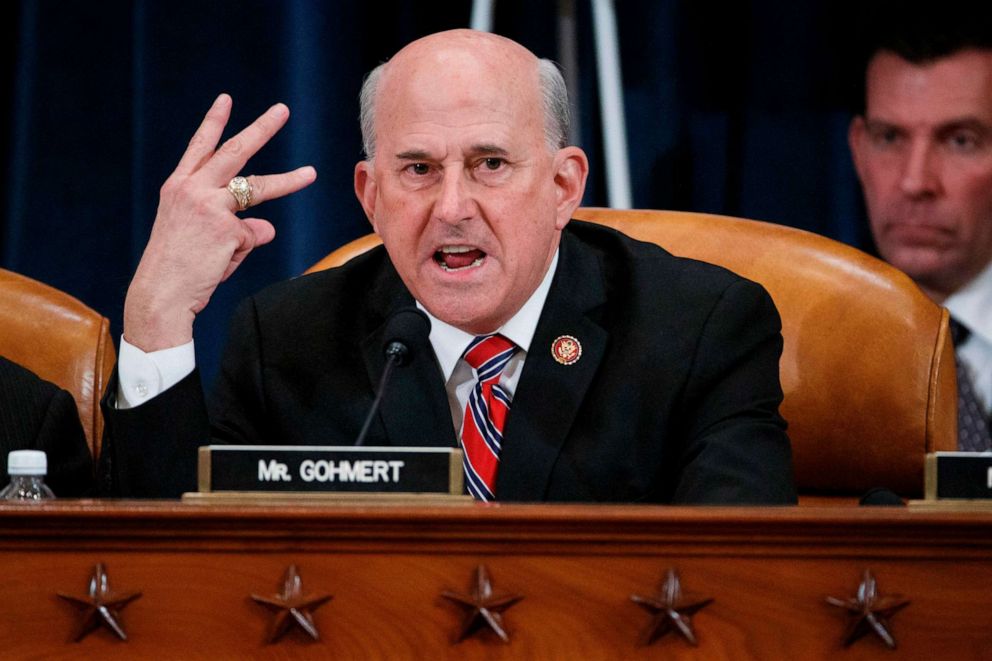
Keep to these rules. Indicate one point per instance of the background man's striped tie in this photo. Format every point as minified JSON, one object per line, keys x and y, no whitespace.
{"x":974,"y":426}
{"x":485,"y":414}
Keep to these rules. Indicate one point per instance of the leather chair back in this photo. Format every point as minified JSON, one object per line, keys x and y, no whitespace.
{"x":61,"y":340}
{"x":867,"y":366}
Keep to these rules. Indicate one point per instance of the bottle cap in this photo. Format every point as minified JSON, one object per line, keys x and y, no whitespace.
{"x":27,"y":462}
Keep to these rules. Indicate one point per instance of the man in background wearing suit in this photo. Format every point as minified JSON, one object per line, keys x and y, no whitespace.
{"x":923,"y":152}
{"x":38,"y":415}
{"x":571,"y":362}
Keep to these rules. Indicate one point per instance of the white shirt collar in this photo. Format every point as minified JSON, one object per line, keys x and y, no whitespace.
{"x":449,"y":343}
{"x":972,"y":304}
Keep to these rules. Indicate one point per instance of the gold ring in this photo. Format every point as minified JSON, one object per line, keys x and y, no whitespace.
{"x":240,"y":189}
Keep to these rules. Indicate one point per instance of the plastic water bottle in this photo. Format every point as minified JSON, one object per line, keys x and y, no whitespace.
{"x":27,"y":470}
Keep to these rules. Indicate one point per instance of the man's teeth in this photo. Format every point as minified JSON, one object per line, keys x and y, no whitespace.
{"x":458,"y":250}
{"x":476,"y":262}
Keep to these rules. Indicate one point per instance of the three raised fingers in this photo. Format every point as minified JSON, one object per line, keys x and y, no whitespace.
{"x":217,"y":167}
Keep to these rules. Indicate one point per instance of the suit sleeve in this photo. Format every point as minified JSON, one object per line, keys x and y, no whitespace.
{"x":150,"y":451}
{"x":737,"y":451}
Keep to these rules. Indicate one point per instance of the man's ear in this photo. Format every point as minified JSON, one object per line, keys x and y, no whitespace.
{"x":571,"y":169}
{"x":366,"y":190}
{"x":856,"y":134}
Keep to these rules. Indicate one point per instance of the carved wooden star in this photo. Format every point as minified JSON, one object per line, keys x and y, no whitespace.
{"x":869,"y":612}
{"x":291,"y":605}
{"x":100,"y":605}
{"x":482,"y":607}
{"x":670,"y":610}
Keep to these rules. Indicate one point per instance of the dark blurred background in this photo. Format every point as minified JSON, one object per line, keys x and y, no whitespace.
{"x":737,"y":108}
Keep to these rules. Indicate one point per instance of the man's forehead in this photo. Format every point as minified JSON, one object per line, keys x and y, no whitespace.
{"x":460,"y":60}
{"x":965,"y":72}
{"x":441,"y":142}
{"x":458,"y":102}
{"x":453,"y":70}
{"x":955,"y":86}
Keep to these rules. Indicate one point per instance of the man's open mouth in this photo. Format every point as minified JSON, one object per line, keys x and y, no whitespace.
{"x":459,"y":258}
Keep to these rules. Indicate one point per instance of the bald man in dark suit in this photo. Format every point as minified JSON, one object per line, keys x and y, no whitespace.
{"x":570,"y":362}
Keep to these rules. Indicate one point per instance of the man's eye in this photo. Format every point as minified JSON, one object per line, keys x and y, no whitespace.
{"x":419,"y":168}
{"x":493,"y":163}
{"x":887,"y":136}
{"x":963,"y":141}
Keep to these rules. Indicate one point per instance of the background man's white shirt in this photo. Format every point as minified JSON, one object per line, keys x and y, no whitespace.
{"x":972,"y":306}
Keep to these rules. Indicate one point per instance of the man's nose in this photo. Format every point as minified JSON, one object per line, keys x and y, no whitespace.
{"x":921,"y":171}
{"x":454,"y":202}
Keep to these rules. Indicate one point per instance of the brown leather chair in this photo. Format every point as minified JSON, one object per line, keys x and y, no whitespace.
{"x":867,"y":367}
{"x":61,"y":340}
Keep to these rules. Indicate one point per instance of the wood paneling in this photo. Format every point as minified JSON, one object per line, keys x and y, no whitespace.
{"x":769,"y":571}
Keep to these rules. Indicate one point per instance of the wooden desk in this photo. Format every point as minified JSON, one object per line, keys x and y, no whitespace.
{"x":769,"y":571}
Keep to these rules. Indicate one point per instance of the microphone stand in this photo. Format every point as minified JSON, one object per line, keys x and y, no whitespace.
{"x":395,"y":353}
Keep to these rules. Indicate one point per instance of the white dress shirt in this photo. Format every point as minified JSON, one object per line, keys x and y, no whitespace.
{"x":142,"y":376}
{"x":972,"y":306}
{"x":449,"y":344}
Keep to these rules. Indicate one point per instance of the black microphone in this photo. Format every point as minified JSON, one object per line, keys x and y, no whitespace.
{"x":404,"y":330}
{"x":881,"y":496}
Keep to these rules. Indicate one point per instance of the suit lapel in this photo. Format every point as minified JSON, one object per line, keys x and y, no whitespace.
{"x":549,"y":394}
{"x":414,"y":410}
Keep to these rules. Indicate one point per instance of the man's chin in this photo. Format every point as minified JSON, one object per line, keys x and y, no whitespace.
{"x":469,"y":316}
{"x":916,"y":259}
{"x":925,"y":267}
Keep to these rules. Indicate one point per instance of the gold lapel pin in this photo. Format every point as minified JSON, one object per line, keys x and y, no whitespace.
{"x":566,"y":350}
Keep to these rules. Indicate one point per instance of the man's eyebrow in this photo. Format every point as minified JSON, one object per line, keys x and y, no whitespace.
{"x":488,"y":149}
{"x":874,"y":124}
{"x":966,"y":123}
{"x":482,"y":149}
{"x":953,"y":124}
{"x":413,"y":155}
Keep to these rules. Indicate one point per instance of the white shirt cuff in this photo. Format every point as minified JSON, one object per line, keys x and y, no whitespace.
{"x":142,"y":376}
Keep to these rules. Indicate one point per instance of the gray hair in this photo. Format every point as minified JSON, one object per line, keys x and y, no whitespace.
{"x":554,"y":97}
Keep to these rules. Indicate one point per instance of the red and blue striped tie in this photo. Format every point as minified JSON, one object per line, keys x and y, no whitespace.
{"x":485,"y":414}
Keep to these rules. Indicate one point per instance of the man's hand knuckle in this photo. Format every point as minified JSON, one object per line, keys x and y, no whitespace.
{"x":264,"y":125}
{"x":169,"y":188}
{"x":203,"y":208}
{"x":197,"y":142}
{"x":234,"y":146}
{"x":177,"y":186}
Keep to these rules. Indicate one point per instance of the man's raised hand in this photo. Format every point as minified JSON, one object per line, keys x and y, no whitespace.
{"x":197,"y":241}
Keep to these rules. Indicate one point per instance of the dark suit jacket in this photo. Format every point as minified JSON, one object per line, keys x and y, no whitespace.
{"x":38,"y":415}
{"x":675,"y":397}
